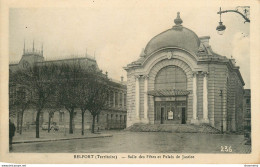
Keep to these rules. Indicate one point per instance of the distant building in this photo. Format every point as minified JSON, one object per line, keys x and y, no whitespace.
{"x":178,"y":79}
{"x":247,"y":113}
{"x":113,"y":117}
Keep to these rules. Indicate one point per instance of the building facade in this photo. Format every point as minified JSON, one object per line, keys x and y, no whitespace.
{"x":247,"y":113}
{"x":112,"y":117}
{"x":178,"y":79}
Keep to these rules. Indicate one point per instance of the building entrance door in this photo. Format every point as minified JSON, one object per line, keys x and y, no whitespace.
{"x":170,"y":112}
{"x":183,"y":115}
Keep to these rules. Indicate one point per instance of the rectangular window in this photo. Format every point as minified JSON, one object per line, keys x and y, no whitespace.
{"x":124,"y":100}
{"x":116,"y":98}
{"x":124,"y":118}
{"x":107,"y":101}
{"x":111,"y":99}
{"x":61,"y":116}
{"x":97,"y":118}
{"x":247,"y":101}
{"x":120,"y":100}
{"x":107,"y":117}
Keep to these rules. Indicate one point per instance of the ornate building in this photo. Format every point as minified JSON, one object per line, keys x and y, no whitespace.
{"x":113,"y":117}
{"x":178,"y":79}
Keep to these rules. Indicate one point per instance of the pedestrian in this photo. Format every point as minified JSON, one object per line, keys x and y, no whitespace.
{"x":11,"y":133}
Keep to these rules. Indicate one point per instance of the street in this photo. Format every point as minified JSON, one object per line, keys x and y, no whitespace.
{"x":143,"y":142}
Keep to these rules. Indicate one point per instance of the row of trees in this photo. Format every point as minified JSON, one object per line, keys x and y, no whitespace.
{"x":56,"y":86}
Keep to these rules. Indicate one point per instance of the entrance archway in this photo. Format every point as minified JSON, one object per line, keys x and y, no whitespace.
{"x":170,"y":92}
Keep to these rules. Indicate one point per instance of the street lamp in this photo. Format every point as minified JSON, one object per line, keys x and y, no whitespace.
{"x":221,"y":28}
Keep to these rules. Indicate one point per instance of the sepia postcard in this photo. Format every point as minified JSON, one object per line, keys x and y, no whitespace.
{"x":131,"y":82}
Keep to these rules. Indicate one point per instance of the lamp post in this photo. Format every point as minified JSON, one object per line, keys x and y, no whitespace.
{"x":221,"y":27}
{"x":221,"y":96}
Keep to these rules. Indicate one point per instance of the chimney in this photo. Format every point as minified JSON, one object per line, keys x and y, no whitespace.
{"x":122,"y":78}
{"x":233,"y":60}
{"x":106,"y":74}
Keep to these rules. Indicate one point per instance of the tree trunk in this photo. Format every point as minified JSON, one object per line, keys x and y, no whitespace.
{"x":18,"y":122}
{"x":82,"y":123}
{"x":37,"y":124}
{"x":93,"y":124}
{"x":71,"y":119}
{"x":21,"y":127}
{"x":49,"y":123}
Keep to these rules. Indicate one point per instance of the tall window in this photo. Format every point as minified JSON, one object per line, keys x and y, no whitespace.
{"x":107,"y":118}
{"x":124,"y":118}
{"x":61,"y":118}
{"x":171,"y":77}
{"x":124,"y":100}
{"x":98,"y":118}
{"x":120,"y":100}
{"x":116,"y":100}
{"x":107,"y":101}
{"x":111,"y":99}
{"x":112,"y":118}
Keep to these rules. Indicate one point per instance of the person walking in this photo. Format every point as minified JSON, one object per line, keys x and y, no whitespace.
{"x":11,"y":133}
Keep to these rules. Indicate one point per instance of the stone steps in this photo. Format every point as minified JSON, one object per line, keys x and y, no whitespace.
{"x":177,"y":128}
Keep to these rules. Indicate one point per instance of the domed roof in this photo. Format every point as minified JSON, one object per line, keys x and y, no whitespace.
{"x":177,"y":36}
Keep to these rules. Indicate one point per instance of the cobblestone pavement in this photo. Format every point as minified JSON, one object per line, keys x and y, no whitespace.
{"x":144,"y":142}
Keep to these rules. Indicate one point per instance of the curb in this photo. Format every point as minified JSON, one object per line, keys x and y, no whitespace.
{"x":47,"y":140}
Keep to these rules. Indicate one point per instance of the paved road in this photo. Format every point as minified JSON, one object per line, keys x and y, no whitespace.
{"x":142,"y":142}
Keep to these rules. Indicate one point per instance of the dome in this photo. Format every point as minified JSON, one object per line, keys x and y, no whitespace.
{"x":177,"y":36}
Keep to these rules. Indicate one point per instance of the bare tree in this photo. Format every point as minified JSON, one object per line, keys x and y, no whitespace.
{"x":19,"y":101}
{"x":83,"y":98}
{"x":50,"y":115}
{"x":85,"y":92}
{"x":98,"y":89}
{"x":69,"y":81}
{"x":84,"y":88}
{"x":53,"y":105}
{"x":40,"y":80}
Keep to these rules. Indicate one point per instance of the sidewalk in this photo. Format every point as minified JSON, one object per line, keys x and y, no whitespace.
{"x":30,"y":136}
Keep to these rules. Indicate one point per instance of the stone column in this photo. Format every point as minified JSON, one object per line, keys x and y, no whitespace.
{"x":137,"y":97}
{"x":146,"y":77}
{"x":205,"y":98}
{"x":195,"y":116}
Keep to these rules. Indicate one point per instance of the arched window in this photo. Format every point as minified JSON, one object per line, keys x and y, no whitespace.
{"x":171,"y":77}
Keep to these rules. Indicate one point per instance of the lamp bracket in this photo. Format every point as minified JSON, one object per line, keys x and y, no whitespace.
{"x":235,"y":11}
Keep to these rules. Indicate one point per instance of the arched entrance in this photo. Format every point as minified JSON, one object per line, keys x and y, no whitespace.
{"x":170,"y":96}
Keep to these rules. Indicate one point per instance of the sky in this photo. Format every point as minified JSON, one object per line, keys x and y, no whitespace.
{"x":116,"y":34}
